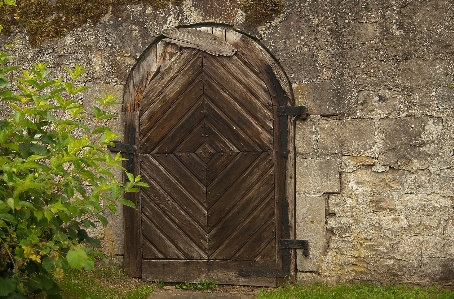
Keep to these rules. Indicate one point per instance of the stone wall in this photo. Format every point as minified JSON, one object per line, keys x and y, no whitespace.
{"x":374,"y":159}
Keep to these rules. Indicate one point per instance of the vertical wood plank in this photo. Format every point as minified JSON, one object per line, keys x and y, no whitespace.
{"x":132,"y":217}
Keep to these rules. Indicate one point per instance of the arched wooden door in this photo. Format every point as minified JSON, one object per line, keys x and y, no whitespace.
{"x":203,"y":118}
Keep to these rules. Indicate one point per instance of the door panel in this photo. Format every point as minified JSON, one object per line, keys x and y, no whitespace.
{"x":207,"y":144}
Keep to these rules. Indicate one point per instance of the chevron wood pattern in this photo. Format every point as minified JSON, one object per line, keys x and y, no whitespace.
{"x":207,"y":150}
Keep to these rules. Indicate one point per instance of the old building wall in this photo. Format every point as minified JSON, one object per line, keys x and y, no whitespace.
{"x":374,"y":163}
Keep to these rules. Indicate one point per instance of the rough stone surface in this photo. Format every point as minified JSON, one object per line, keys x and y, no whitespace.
{"x":317,"y":176}
{"x":375,"y":156}
{"x":310,"y":218}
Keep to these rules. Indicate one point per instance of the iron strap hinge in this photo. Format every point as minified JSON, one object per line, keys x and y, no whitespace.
{"x":284,"y":112}
{"x":299,"y":111}
{"x":295,"y":244}
{"x":122,"y":148}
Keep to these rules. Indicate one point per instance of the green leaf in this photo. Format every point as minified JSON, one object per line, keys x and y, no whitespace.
{"x":38,"y":149}
{"x":128,"y":203}
{"x":8,"y":217}
{"x":7,"y":286}
{"x":83,"y":235}
{"x":12,"y":202}
{"x":38,"y":214}
{"x":130,"y":176}
{"x":49,"y":215}
{"x":103,"y":220}
{"x":77,"y":259}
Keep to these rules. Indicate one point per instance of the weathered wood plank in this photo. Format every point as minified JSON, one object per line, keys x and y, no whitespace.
{"x":195,"y":164}
{"x":153,"y":106}
{"x":183,"y":177}
{"x":244,"y":232}
{"x":192,"y":206}
{"x":155,"y":236}
{"x":229,"y":129}
{"x":224,"y":272}
{"x":240,"y":201}
{"x":171,"y":129}
{"x":163,"y":204}
{"x":170,"y":239}
{"x":200,"y":38}
{"x":242,"y":74}
{"x":132,"y":224}
{"x":225,"y":180}
{"x":239,"y":118}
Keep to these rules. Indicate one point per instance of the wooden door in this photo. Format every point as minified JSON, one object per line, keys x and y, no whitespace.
{"x":208,"y":146}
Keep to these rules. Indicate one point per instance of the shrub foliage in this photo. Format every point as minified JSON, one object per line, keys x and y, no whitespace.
{"x":56,"y":178}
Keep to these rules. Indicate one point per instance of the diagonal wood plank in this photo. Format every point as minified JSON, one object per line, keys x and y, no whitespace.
{"x":166,"y":206}
{"x":182,"y":132}
{"x":195,"y":165}
{"x":224,"y":181}
{"x":196,"y":136}
{"x":251,"y":224}
{"x":263,"y":238}
{"x":239,"y":117}
{"x":170,"y":233}
{"x":229,"y":129}
{"x":216,"y":138}
{"x":167,"y":76}
{"x":182,"y":176}
{"x":161,"y":242}
{"x":258,"y":192}
{"x":236,"y":78}
{"x":159,"y":122}
{"x":192,"y":206}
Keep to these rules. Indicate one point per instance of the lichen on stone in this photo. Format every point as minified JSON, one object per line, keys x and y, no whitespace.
{"x":258,"y":12}
{"x":52,"y":19}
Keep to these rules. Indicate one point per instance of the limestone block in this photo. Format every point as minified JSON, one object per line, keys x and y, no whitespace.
{"x":382,"y":103}
{"x":353,"y":163}
{"x":353,"y":137}
{"x":310,"y":225}
{"x":444,"y":97}
{"x":410,"y":143}
{"x":317,"y":176}
{"x":446,"y":182}
{"x":425,"y":72}
{"x":324,"y":98}
{"x":306,"y":135}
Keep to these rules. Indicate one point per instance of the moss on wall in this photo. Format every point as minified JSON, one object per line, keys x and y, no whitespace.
{"x":258,"y":12}
{"x":51,"y":19}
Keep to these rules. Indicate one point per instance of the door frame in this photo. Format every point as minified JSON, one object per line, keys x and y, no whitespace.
{"x":148,"y":65}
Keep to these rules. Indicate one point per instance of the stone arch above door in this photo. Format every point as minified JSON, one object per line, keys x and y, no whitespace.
{"x":174,"y":87}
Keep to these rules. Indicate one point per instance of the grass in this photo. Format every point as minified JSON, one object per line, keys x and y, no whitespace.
{"x":203,"y":285}
{"x":106,"y":282}
{"x":355,"y":291}
{"x":110,"y":282}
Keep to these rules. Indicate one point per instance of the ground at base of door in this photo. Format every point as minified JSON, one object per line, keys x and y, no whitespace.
{"x":224,"y":292}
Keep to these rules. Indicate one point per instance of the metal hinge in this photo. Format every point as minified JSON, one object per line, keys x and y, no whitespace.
{"x":283,"y":113}
{"x":295,"y":244}
{"x":299,"y":111}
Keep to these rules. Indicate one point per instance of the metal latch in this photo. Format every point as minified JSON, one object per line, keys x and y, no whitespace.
{"x":283,"y":113}
{"x":122,"y":148}
{"x":295,"y":244}
{"x":127,"y":149}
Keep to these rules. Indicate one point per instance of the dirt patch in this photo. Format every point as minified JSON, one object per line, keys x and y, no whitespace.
{"x":225,"y":292}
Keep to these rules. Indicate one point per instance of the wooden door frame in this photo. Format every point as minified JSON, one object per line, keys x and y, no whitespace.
{"x":149,"y":63}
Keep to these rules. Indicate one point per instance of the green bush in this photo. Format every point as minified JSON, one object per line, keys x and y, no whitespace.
{"x":56,"y":178}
